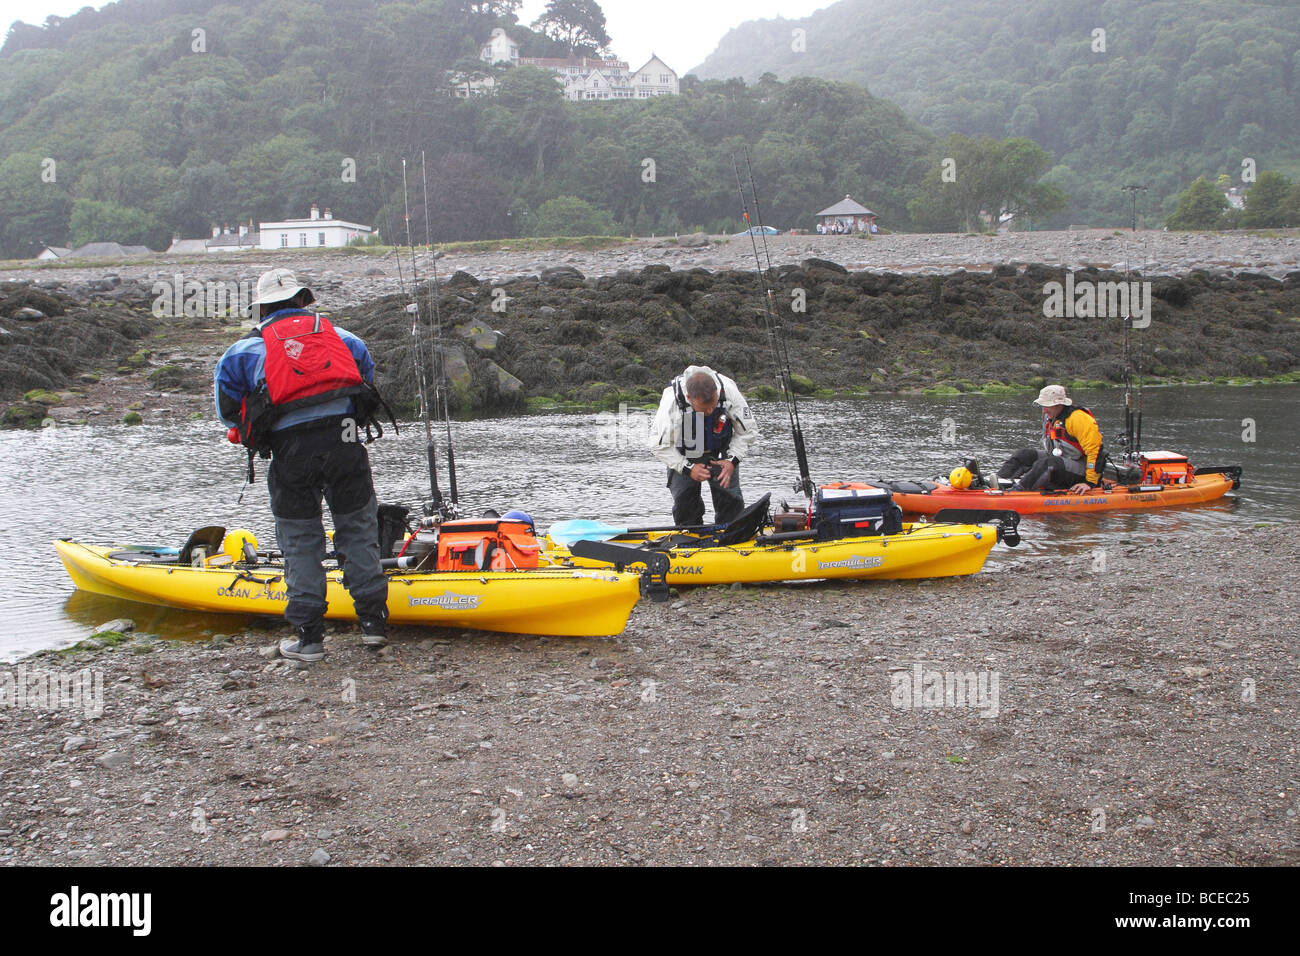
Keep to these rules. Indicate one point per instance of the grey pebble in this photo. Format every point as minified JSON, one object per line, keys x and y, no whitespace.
{"x":113,"y":760}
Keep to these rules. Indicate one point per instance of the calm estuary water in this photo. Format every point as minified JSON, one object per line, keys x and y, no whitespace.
{"x":157,"y":483}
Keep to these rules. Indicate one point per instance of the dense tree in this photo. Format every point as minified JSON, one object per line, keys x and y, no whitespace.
{"x":302,"y":101}
{"x":94,"y":221}
{"x":571,"y":216}
{"x":579,"y":24}
{"x":1267,"y":202}
{"x":1199,"y":207}
{"x":982,"y":180}
{"x":465,"y":202}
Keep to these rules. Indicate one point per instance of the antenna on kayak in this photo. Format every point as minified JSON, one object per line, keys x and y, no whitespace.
{"x":417,"y":349}
{"x":435,"y":294}
{"x":772,"y":323}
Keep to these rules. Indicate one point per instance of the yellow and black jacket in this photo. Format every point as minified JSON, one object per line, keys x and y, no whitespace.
{"x":1076,"y":435}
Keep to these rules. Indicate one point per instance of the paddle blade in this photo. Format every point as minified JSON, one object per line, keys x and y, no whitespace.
{"x":566,"y":533}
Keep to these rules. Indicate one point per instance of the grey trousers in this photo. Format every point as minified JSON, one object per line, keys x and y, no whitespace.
{"x":303,"y":542}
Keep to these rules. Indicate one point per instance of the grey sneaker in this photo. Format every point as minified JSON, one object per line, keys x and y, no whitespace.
{"x":298,"y":649}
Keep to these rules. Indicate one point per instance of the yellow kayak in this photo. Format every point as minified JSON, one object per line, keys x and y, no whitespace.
{"x":920,"y":551}
{"x":570,"y":602}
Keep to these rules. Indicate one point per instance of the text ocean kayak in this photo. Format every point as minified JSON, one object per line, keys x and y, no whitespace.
{"x":929,"y":497}
{"x":582,"y":602}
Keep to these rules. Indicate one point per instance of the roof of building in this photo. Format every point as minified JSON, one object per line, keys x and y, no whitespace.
{"x":109,"y":249}
{"x":312,"y":223}
{"x":846,"y":207}
{"x":655,"y":59}
{"x":229,"y":239}
{"x":59,"y":251}
{"x":188,"y":245}
{"x":583,"y":62}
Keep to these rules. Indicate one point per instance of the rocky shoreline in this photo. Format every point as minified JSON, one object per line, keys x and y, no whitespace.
{"x":598,"y":327}
{"x":1155,"y":723}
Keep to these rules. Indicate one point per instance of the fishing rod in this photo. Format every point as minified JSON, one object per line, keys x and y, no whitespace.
{"x":775,"y":333}
{"x":430,"y":448}
{"x":1132,"y":411}
{"x":436,"y":295}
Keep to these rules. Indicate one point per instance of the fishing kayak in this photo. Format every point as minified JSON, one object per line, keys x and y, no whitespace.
{"x":570,"y":602}
{"x":930,"y":497}
{"x":920,"y":551}
{"x":751,"y":550}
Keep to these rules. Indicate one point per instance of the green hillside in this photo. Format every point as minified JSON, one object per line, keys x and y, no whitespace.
{"x":157,"y":116}
{"x":1182,"y":88}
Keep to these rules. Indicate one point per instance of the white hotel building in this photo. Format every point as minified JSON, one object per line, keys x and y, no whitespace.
{"x":588,"y":78}
{"x":317,"y":230}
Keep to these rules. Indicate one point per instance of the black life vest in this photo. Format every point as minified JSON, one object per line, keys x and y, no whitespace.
{"x":717,"y":427}
{"x":1056,"y":437}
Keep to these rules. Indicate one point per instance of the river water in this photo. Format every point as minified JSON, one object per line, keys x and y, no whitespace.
{"x":155,"y":484}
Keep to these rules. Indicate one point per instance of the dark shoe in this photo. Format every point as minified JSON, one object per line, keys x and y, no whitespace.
{"x":295,"y":649}
{"x":374,"y":632}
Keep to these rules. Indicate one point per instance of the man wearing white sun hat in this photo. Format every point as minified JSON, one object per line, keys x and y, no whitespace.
{"x":298,"y":388}
{"x":1070,"y":455}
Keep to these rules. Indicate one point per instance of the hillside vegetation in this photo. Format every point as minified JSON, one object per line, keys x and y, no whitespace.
{"x":129,"y":123}
{"x":1173,"y":90}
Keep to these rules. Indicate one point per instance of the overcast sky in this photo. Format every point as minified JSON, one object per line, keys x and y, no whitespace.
{"x":682,"y":32}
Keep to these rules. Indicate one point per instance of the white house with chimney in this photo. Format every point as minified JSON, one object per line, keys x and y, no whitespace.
{"x":500,"y":49}
{"x":315,"y":232}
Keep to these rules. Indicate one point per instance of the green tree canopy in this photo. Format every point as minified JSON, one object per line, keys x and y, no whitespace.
{"x":94,"y":221}
{"x":1199,"y":207}
{"x":980,"y":180}
{"x":1267,"y":202}
{"x":571,"y":216}
{"x":579,"y":24}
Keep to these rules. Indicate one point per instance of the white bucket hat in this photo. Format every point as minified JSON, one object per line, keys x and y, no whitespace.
{"x":1053,"y":395}
{"x":278,"y":285}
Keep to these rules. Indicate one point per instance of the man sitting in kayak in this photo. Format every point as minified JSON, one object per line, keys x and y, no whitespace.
{"x":701,"y":432}
{"x":1070,"y":453}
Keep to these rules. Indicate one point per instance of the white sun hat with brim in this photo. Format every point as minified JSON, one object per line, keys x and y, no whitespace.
{"x":1053,"y":395}
{"x":277,"y":286}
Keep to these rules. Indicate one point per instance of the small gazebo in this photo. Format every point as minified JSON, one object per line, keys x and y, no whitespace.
{"x":846,"y":216}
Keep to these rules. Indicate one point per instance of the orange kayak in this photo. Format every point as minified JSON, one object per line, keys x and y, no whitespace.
{"x":929,"y":497}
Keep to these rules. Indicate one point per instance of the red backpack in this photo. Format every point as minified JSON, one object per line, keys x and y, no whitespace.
{"x":307,"y":363}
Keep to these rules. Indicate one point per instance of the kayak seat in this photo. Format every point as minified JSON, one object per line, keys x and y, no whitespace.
{"x":904,"y":486}
{"x":746,"y":525}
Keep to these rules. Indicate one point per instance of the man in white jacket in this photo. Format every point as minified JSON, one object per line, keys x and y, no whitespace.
{"x":702,"y":431}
